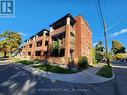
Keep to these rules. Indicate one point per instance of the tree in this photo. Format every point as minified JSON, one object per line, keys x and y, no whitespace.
{"x":10,"y":41}
{"x":4,"y":47}
{"x":56,"y":47}
{"x":99,"y":52}
{"x":117,"y":47}
{"x":93,"y":55}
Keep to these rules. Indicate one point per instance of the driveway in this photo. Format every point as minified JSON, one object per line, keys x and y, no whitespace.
{"x":15,"y":81}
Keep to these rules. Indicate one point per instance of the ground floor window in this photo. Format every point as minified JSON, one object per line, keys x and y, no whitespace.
{"x":58,"y":52}
{"x":62,"y":52}
{"x":38,"y":53}
{"x":45,"y":53}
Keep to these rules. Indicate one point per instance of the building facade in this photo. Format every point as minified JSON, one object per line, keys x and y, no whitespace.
{"x":68,"y":38}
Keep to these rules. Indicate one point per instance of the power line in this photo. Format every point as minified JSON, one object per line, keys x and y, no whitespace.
{"x":100,"y":18}
{"x":101,"y":13}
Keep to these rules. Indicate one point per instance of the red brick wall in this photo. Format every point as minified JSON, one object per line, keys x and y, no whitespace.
{"x":83,"y":42}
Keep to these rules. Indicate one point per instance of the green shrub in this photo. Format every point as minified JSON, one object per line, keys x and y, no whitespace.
{"x":54,"y":69}
{"x":94,"y":61}
{"x":93,"y":56}
{"x":105,"y":71}
{"x":83,"y":62}
{"x":120,"y":56}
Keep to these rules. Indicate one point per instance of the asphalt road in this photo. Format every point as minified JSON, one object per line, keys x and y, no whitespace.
{"x":15,"y":81}
{"x":120,"y":82}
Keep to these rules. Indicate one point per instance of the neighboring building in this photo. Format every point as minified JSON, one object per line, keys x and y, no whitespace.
{"x":71,"y":35}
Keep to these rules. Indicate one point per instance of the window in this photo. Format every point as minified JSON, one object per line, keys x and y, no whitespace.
{"x":29,"y":53}
{"x":46,"y":43}
{"x":30,"y":46}
{"x":47,"y":34}
{"x":39,"y":43}
{"x":38,"y":53}
{"x":45,"y":52}
{"x":62,"y":52}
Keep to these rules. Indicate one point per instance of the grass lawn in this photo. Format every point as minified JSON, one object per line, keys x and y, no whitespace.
{"x":48,"y":67}
{"x":105,"y":71}
{"x":55,"y":69}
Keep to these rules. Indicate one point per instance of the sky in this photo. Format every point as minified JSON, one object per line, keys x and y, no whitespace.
{"x":31,"y":16}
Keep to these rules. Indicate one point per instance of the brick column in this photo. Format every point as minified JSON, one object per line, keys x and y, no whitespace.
{"x":50,"y":39}
{"x":27,"y":46}
{"x":67,"y":41}
{"x":33,"y":47}
{"x":43,"y":42}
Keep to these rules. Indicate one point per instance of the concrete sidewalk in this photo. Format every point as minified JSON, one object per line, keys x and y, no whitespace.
{"x":85,"y":77}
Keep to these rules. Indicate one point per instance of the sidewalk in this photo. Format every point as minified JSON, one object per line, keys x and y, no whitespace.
{"x":85,"y":77}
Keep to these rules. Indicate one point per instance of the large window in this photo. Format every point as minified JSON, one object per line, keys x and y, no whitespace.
{"x":39,"y":43}
{"x":38,"y":53}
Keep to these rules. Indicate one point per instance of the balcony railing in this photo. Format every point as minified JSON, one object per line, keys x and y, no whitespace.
{"x":38,"y":48}
{"x":57,"y":31}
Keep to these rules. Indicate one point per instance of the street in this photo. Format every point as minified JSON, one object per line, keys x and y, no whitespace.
{"x":14,"y":81}
{"x":120,"y":71}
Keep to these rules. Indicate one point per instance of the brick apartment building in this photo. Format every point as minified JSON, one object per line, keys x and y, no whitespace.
{"x":71,"y":34}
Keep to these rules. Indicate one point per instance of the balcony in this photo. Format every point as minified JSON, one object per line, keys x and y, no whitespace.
{"x":58,"y":31}
{"x":39,"y":38}
{"x":45,"y":48}
{"x":38,"y":48}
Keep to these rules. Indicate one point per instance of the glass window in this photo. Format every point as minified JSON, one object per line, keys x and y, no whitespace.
{"x":30,"y":46}
{"x":39,"y":43}
{"x":38,"y":53}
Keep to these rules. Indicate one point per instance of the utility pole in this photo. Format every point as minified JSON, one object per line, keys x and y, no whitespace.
{"x":106,"y":44}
